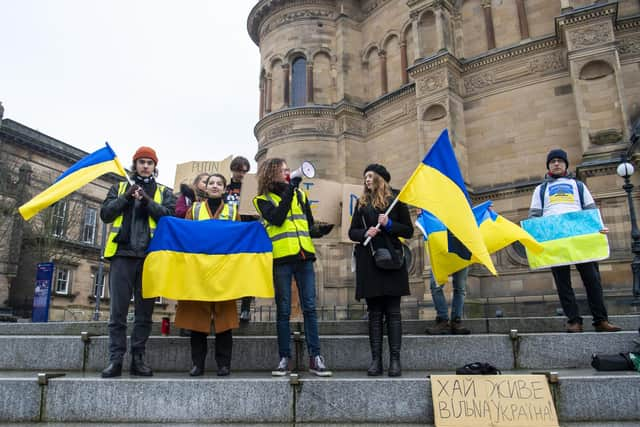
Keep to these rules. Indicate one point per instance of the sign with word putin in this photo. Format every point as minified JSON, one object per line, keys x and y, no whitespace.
{"x":492,"y":400}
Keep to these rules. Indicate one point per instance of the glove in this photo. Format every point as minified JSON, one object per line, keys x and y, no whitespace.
{"x":325,"y":228}
{"x":295,"y":182}
{"x":130,"y":191}
{"x":145,"y":197}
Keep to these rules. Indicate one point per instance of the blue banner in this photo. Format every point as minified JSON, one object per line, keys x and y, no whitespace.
{"x":42,"y":294}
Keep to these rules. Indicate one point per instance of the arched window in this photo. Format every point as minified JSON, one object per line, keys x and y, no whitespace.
{"x":299,"y":82}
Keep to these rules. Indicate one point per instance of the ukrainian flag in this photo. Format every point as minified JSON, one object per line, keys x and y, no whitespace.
{"x":81,"y":173}
{"x":211,"y":260}
{"x":437,"y":186}
{"x":567,"y":239}
{"x":449,"y":255}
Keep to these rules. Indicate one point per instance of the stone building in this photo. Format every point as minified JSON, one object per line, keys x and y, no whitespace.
{"x":68,"y":233}
{"x":347,"y":82}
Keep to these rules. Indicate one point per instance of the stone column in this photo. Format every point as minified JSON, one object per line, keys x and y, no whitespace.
{"x":267,"y":102}
{"x":285,"y":72}
{"x":417,"y":42}
{"x":310,"y":83}
{"x":522,"y":17}
{"x":261,"y":106}
{"x":440,"y":43}
{"x":403,"y":62}
{"x":383,"y":71}
{"x":488,"y":23}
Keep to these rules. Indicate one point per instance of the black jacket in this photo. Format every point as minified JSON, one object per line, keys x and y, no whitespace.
{"x":139,"y":236}
{"x":370,"y":280}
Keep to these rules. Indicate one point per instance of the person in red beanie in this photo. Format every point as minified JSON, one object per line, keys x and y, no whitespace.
{"x":133,"y":211}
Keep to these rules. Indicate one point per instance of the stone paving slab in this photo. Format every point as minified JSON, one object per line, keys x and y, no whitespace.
{"x":19,"y":399}
{"x":41,"y":352}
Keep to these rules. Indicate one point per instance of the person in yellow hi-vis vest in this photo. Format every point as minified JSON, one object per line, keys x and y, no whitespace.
{"x":197,"y":315}
{"x":133,"y":211}
{"x":287,"y":217}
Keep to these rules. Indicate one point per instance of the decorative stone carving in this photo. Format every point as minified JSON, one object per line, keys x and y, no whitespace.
{"x":551,"y":62}
{"x":453,"y":81}
{"x":589,"y":36}
{"x":629,"y":46}
{"x":351,"y":125}
{"x":432,"y":82}
{"x":607,"y":136}
{"x":325,"y":126}
{"x":289,"y":17}
{"x":478,"y":82}
{"x":281,"y":130}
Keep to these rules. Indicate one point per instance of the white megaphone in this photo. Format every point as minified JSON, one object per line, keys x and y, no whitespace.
{"x":305,"y":170}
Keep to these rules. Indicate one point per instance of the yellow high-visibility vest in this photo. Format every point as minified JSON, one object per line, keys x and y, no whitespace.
{"x":200,"y":212}
{"x":293,"y":235}
{"x":111,"y":247}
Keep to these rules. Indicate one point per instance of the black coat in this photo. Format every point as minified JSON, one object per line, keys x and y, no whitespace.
{"x":372,"y":281}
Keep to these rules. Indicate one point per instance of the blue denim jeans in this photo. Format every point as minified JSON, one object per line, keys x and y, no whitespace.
{"x":306,"y":281}
{"x":457,"y":303}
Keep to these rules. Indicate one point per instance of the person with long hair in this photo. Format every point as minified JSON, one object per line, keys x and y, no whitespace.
{"x":195,"y":192}
{"x":288,"y":220}
{"x":381,"y":288}
{"x":197,"y":315}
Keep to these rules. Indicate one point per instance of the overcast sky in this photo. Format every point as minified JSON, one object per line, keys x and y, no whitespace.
{"x":179,"y":76}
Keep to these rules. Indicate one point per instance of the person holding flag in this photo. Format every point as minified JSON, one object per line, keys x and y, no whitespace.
{"x":133,"y":210}
{"x":381,"y":288}
{"x":558,"y":194}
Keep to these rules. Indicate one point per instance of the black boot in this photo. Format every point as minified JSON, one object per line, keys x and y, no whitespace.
{"x":113,"y":370}
{"x":139,"y":367}
{"x":198,"y":353}
{"x":224,"y":348}
{"x":375,"y":341}
{"x":394,"y":331}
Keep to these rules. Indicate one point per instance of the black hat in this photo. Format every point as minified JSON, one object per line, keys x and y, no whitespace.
{"x":557,"y":154}
{"x":380,"y":170}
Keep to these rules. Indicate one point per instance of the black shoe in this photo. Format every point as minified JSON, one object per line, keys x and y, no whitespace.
{"x":196,"y":371}
{"x":113,"y":370}
{"x":245,"y":315}
{"x":224,"y":371}
{"x":139,"y":367}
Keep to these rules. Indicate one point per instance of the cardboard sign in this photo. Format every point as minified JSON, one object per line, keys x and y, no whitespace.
{"x":186,"y":172}
{"x":350,"y":194}
{"x":492,"y":400}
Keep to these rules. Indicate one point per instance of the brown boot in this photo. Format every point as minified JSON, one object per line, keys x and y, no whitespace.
{"x":441,"y":327}
{"x":574,"y":327}
{"x":458,"y":329}
{"x":605,"y":326}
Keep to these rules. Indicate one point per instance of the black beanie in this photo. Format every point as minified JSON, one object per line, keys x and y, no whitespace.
{"x":380,"y":170}
{"x":557,"y":154}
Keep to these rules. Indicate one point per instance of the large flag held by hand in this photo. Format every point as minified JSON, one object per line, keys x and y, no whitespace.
{"x":210,"y":260}
{"x":448,"y":255}
{"x":437,"y":186}
{"x":81,"y":173}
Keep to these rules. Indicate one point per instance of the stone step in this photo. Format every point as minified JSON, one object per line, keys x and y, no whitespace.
{"x":341,"y":327}
{"x":341,"y":352}
{"x":348,"y":397}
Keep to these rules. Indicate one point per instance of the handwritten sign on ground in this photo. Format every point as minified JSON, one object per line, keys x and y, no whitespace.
{"x":492,"y":400}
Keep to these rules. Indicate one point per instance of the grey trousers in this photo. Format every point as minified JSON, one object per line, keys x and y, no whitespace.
{"x":125,"y":279}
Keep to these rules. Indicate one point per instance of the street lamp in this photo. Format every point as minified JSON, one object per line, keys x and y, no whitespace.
{"x":625,"y":170}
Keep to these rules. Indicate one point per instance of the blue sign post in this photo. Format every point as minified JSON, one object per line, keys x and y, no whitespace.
{"x":42,"y":294}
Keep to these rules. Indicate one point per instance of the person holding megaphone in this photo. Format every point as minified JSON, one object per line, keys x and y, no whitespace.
{"x":287,"y":217}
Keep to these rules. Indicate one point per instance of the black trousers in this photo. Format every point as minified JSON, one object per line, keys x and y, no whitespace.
{"x":224,"y":345}
{"x":125,"y":280}
{"x":386,"y":304}
{"x":590,"y":275}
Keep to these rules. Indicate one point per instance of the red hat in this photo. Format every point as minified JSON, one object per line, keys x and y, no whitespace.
{"x":146,"y":153}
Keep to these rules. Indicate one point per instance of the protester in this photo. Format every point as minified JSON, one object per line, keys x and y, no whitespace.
{"x":239,"y":168}
{"x":196,"y":192}
{"x":197,"y":315}
{"x":288,"y":220}
{"x":560,"y":193}
{"x":443,"y":326}
{"x":133,"y":210}
{"x":381,"y":288}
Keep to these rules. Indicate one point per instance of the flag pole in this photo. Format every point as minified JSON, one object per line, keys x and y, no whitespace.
{"x":366,"y":242}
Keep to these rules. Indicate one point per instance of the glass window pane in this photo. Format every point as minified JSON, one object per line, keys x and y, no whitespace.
{"x":299,"y":82}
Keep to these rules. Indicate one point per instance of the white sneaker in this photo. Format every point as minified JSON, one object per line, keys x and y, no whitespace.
{"x":282,"y":369}
{"x":318,"y":368}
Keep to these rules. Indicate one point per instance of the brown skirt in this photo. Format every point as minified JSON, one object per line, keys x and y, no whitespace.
{"x":197,"y":316}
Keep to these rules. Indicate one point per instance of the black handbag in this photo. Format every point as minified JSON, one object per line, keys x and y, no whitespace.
{"x":612,"y":362}
{"x":384,"y":259}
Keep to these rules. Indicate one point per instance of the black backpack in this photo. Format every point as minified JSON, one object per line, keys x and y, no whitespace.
{"x":478,"y":368}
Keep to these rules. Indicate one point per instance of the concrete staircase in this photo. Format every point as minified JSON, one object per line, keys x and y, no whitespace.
{"x":33,"y":355}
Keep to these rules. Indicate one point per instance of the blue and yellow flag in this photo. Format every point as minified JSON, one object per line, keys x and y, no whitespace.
{"x":568,"y":238}
{"x":81,"y":173}
{"x":448,"y":255}
{"x":437,"y":186}
{"x":209,"y":260}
